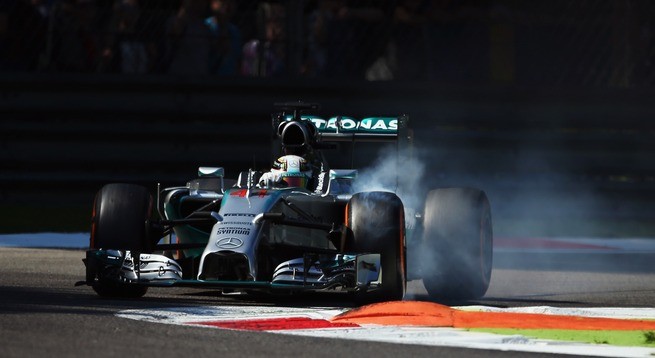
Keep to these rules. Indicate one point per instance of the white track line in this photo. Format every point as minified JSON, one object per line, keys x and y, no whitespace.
{"x":429,"y":336}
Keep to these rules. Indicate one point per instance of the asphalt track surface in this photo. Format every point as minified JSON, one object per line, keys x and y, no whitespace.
{"x":42,"y":314}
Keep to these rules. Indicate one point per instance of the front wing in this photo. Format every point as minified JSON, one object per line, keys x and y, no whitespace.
{"x":337,"y":272}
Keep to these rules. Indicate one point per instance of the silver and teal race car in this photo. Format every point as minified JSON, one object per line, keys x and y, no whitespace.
{"x":322,"y":233}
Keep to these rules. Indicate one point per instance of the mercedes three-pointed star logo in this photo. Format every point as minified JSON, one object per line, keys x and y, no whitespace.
{"x":229,"y":243}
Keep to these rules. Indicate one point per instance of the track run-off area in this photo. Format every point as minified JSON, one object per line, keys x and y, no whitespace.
{"x":566,"y":296}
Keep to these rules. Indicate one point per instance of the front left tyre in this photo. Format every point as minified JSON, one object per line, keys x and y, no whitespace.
{"x":377,"y":222}
{"x":120,"y":221}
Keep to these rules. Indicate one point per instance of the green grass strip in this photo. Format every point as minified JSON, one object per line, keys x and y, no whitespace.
{"x":615,"y":338}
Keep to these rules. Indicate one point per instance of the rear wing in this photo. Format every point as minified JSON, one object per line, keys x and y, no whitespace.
{"x":294,"y":128}
{"x":344,"y":128}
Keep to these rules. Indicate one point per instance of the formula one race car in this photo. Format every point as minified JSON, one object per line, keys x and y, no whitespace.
{"x":300,"y":227}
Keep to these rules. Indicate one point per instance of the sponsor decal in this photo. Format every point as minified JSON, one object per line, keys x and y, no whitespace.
{"x":233,"y":231}
{"x":229,"y":243}
{"x":234,"y":223}
{"x":350,"y":124}
{"x":240,"y":214}
{"x":242,"y":193}
{"x":321,"y":181}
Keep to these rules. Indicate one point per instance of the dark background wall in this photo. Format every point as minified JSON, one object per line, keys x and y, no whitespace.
{"x":546,"y":157}
{"x":547,"y":107}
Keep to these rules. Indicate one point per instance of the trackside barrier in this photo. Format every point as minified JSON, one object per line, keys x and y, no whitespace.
{"x":81,"y":132}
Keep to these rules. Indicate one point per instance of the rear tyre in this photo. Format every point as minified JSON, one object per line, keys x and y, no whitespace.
{"x":120,"y":221}
{"x":457,"y":250}
{"x":378,"y":226}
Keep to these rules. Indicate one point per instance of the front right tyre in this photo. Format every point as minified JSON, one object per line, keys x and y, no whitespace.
{"x":120,"y":221}
{"x":457,"y":248}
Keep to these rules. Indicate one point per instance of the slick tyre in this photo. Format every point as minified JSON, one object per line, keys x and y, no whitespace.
{"x":377,"y":222}
{"x":456,"y":255}
{"x":120,"y":221}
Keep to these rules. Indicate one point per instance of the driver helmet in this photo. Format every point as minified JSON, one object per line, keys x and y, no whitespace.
{"x":293,"y":171}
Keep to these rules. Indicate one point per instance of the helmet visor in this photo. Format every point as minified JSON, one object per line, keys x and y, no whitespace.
{"x":297,"y":180}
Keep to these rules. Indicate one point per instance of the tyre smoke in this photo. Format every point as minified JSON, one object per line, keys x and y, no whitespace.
{"x":397,"y":171}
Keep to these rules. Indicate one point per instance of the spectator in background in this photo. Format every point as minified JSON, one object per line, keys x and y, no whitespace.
{"x":123,"y":51}
{"x":267,"y":57}
{"x":458,"y":41}
{"x":42,"y":7}
{"x":22,"y":35}
{"x":409,"y":39}
{"x":4,"y":37}
{"x":347,"y":37}
{"x":151,"y":30}
{"x":225,"y":53}
{"x":317,"y":38}
{"x":76,"y":48}
{"x":189,"y":40}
